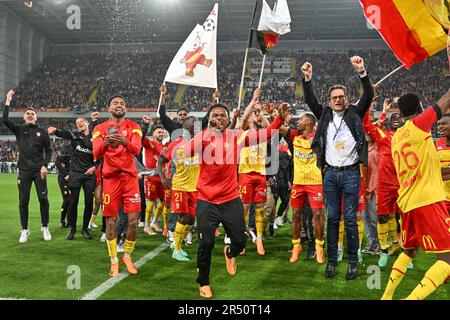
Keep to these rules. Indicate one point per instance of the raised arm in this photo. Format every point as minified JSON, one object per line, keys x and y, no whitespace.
{"x":368,"y":92}
{"x":310,"y":97}
{"x":8,"y":123}
{"x":372,"y":130}
{"x":65,"y":134}
{"x":249,"y":109}
{"x":166,"y":122}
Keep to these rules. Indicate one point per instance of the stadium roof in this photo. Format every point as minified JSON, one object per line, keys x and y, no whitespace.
{"x":144,"y":21}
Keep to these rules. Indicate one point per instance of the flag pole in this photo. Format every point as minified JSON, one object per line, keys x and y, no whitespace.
{"x":242,"y":78}
{"x":262,"y":71}
{"x":159,"y":103}
{"x":390,"y":74}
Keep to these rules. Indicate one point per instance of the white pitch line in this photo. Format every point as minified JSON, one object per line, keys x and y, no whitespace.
{"x":108,"y":284}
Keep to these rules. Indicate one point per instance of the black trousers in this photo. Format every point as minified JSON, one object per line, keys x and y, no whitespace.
{"x":143,"y":205}
{"x":65,"y":193}
{"x":282,"y":191}
{"x":209,"y":215}
{"x":24,"y":182}
{"x":307,"y":220}
{"x":76,"y":182}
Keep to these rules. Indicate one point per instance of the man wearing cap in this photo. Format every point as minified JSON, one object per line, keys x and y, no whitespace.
{"x":34,"y":155}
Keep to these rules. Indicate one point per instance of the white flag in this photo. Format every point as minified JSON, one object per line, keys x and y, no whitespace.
{"x":277,"y":20}
{"x":195,"y":64}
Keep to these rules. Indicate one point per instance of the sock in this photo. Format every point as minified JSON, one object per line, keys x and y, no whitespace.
{"x":158,"y":211}
{"x":434,"y":277}
{"x":93,"y":218}
{"x":341,"y":234}
{"x":166,"y":217}
{"x":392,"y":222}
{"x":382,"y":230}
{"x":179,"y":235}
{"x":320,"y":242}
{"x":398,"y":271}
{"x":148,"y":211}
{"x":260,"y":222}
{"x":112,"y":249}
{"x":128,"y":248}
{"x":246,"y":214}
{"x":296,"y":243}
{"x":360,"y":223}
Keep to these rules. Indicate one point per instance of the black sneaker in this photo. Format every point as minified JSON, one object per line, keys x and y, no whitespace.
{"x":63,"y":224}
{"x":71,"y":234}
{"x":86,"y":234}
{"x":286,"y":219}
{"x":311,"y":252}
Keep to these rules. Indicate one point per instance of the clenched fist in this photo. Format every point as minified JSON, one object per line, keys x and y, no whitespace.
{"x":307,"y":71}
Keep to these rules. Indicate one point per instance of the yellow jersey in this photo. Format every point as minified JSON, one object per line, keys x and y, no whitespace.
{"x":417,"y":166}
{"x":306,"y":171}
{"x":253,"y":158}
{"x":187,"y":170}
{"x":444,"y":156}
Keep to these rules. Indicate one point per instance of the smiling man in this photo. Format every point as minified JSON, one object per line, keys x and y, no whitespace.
{"x":218,"y":195}
{"x":81,"y":174}
{"x":34,"y":155}
{"x":117,"y":141}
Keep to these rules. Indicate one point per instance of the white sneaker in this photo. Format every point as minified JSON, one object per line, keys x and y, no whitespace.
{"x":120,"y":247}
{"x":275,"y":227}
{"x":103,"y":237}
{"x":188,"y":239}
{"x":253,"y":235}
{"x":24,"y":236}
{"x":170,"y":236}
{"x":156,"y":227}
{"x":92,"y":225}
{"x":279,"y":221}
{"x":46,"y":233}
{"x":227,"y":240}
{"x":141,"y":224}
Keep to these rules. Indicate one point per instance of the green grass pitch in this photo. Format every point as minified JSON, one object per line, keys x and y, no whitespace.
{"x":39,"y":269}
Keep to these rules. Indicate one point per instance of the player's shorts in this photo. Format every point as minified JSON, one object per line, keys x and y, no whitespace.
{"x":427,"y":226}
{"x":313,"y":192}
{"x":98,"y":175}
{"x":118,"y":190}
{"x":387,"y":200}
{"x":153,"y":188}
{"x":252,"y":187}
{"x":183,"y":202}
{"x":167,"y":196}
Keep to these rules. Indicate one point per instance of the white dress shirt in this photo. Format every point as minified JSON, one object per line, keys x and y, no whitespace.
{"x":340,"y":145}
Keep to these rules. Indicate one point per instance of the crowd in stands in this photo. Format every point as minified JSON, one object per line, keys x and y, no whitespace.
{"x":86,"y":81}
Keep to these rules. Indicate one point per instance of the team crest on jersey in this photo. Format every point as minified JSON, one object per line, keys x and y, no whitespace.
{"x":124,"y":133}
{"x":38,"y":134}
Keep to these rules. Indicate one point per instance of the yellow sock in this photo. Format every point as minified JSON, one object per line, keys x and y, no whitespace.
{"x":158,"y":211}
{"x":112,"y":248}
{"x":246,"y":213}
{"x":434,"y":277}
{"x":341,"y":233}
{"x":360,"y":223}
{"x":166,"y":217}
{"x":179,"y":235}
{"x":187,"y":229}
{"x":398,"y":271}
{"x":93,"y":218}
{"x":149,"y":211}
{"x":320,"y":242}
{"x":260,"y":222}
{"x":128,"y":248}
{"x":392,"y":222}
{"x":296,"y":243}
{"x":382,"y":230}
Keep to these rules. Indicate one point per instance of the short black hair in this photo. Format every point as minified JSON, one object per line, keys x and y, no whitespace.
{"x":183,"y":108}
{"x":115,"y":96}
{"x":409,"y":104}
{"x":30,"y":108}
{"x":335,"y":87}
{"x":156,"y":126}
{"x":310,"y":117}
{"x":218,"y":105}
